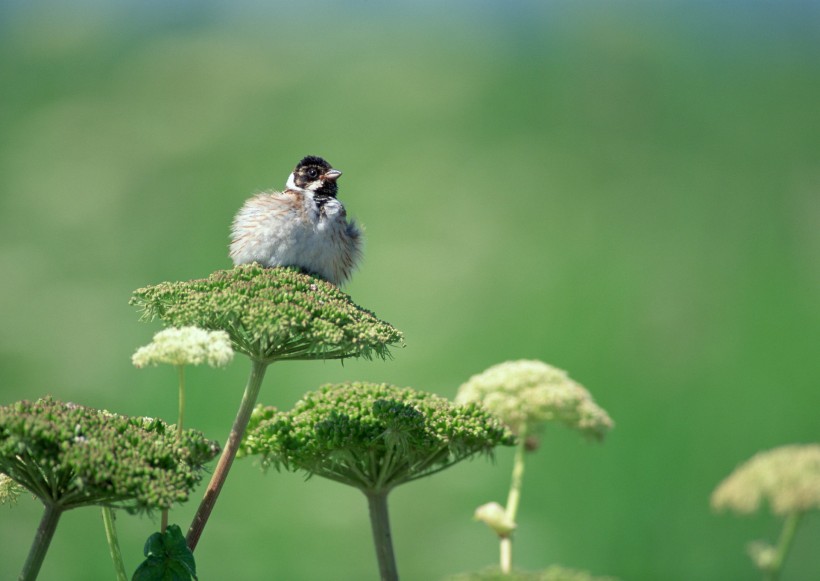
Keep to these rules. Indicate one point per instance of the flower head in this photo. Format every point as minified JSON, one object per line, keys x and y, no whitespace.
{"x":271,"y":314}
{"x":787,"y":478}
{"x":69,"y":456}
{"x":186,"y":346}
{"x":372,"y":436}
{"x":527,"y":394}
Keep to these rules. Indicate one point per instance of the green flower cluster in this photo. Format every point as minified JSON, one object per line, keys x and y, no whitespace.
{"x":372,"y":436}
{"x":71,"y":456}
{"x":271,"y":314}
{"x":528,"y":394}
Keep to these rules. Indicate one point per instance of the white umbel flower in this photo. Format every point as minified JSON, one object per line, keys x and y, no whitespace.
{"x":527,"y":394}
{"x":787,"y":478}
{"x":186,"y":346}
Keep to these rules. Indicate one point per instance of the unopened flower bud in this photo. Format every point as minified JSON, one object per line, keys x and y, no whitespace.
{"x":494,"y":516}
{"x":763,"y":554}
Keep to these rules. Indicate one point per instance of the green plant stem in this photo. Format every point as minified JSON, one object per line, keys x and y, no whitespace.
{"x":513,"y":498}
{"x":784,"y":544}
{"x":382,"y":539}
{"x":113,"y":543}
{"x":181,"y":374}
{"x":223,"y":466}
{"x":42,"y":540}
{"x":180,"y":418}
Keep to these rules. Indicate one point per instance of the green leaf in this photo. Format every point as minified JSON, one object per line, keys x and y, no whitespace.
{"x":168,"y":558}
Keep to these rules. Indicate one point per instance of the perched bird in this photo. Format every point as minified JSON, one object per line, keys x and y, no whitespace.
{"x":303,"y":226}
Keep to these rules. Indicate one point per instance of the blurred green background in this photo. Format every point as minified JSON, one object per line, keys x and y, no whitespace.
{"x":629,"y":191}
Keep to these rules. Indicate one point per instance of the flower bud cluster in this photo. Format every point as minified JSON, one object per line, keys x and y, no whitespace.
{"x":372,"y":436}
{"x":70,"y":455}
{"x":271,"y":314}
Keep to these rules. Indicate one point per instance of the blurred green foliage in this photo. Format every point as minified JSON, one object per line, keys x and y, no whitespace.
{"x":626,"y":191}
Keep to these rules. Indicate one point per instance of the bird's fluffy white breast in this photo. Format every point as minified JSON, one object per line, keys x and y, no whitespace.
{"x":274,"y":231}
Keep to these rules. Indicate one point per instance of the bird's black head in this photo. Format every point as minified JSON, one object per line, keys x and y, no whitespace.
{"x":316,"y":175}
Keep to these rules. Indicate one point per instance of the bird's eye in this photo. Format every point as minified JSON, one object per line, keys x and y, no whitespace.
{"x":313,"y":173}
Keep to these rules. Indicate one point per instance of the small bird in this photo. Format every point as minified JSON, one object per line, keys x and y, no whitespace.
{"x":304,"y":226}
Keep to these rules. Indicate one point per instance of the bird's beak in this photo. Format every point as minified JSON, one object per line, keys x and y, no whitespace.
{"x":332,"y":175}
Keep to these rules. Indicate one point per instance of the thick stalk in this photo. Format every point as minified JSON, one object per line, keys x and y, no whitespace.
{"x":42,"y":540}
{"x":382,"y":539}
{"x":113,"y":543}
{"x":228,"y":453}
{"x":784,"y":544}
{"x":513,"y":499}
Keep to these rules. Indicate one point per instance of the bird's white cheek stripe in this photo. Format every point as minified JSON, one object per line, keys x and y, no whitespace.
{"x":312,"y":187}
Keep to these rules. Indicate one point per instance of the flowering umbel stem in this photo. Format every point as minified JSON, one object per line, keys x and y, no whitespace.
{"x":513,"y":498}
{"x":258,"y":369}
{"x":113,"y":543}
{"x":783,"y":545}
{"x":374,"y":437}
{"x":382,"y":538}
{"x":180,"y":418}
{"x":42,"y":540}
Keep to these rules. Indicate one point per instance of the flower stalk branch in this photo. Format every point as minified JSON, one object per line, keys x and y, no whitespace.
{"x":784,"y":544}
{"x":223,"y":466}
{"x":382,"y":537}
{"x":41,"y":543}
{"x":513,"y":498}
{"x":180,"y":421}
{"x":181,"y":416}
{"x":114,"y":543}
